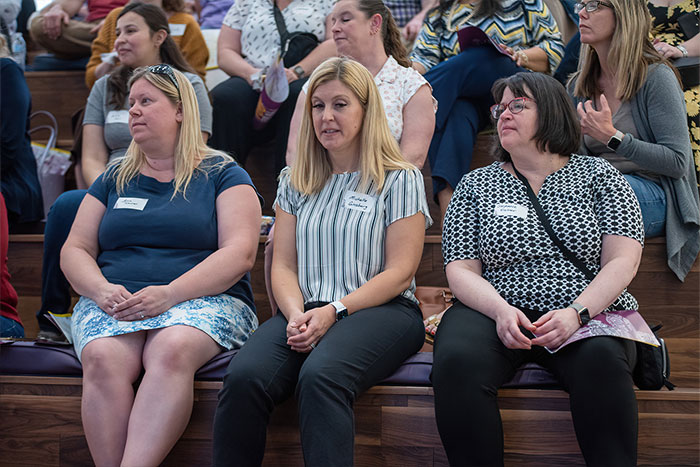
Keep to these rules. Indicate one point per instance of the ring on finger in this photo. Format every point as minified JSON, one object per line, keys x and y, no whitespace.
{"x":141,"y":315}
{"x":312,"y":345}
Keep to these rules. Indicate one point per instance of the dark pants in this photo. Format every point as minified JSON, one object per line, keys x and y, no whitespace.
{"x":233,"y":104}
{"x":471,"y":363}
{"x":55,"y":290}
{"x":355,"y":353}
{"x":462,"y":87}
{"x":569,"y":62}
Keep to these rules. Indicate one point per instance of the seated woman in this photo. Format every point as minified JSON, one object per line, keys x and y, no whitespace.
{"x":462,"y":79}
{"x":160,"y":253}
{"x":351,"y":215}
{"x":183,"y":29}
{"x":142,"y":40}
{"x":365,"y":31}
{"x":671,"y":41}
{"x":249,"y":42}
{"x":632,"y":113}
{"x":512,"y":283}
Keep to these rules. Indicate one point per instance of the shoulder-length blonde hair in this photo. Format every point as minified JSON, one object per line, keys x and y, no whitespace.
{"x":190,"y":148}
{"x":631,"y":53}
{"x":379,"y":151}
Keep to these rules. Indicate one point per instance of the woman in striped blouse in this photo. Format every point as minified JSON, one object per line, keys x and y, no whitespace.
{"x":528,"y":38}
{"x":351,"y":215}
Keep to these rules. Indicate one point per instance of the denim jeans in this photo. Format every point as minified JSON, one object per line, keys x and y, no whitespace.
{"x":10,"y":328}
{"x":652,"y":200}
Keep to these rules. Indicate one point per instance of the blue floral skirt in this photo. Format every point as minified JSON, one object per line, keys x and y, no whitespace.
{"x":224,"y":318}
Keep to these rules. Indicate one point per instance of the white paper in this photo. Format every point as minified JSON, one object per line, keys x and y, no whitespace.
{"x":358,"y":201}
{"x":131,"y":203}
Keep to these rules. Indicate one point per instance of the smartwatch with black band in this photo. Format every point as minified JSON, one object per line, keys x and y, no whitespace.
{"x":299,"y":71}
{"x":582,"y":312}
{"x":340,"y":310}
{"x":615,"y":140}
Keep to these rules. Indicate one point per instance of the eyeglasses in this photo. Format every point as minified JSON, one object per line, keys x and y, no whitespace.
{"x":515,"y":106}
{"x":590,"y":6}
{"x":166,"y":70}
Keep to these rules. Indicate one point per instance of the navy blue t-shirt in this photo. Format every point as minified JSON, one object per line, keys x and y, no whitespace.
{"x":147,"y":238}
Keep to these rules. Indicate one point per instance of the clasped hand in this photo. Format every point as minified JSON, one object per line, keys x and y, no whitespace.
{"x":596,"y":123}
{"x":148,"y":302}
{"x":552,"y":329}
{"x":305,"y":329}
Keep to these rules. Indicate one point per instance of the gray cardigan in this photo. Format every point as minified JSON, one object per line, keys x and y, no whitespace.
{"x":659,"y":113}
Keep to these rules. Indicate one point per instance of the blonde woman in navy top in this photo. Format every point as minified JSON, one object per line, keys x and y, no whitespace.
{"x":351,"y":216}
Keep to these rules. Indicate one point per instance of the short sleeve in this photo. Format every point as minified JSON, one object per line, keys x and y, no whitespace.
{"x":95,"y":107}
{"x":406,"y":197}
{"x":616,"y":205}
{"x":460,"y":233}
{"x":287,"y":197}
{"x":232,"y":175}
{"x":101,"y":186}
{"x":205,"y":112}
{"x":237,"y":14}
{"x":412,"y":83}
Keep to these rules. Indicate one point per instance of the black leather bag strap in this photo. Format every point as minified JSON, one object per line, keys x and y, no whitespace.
{"x":548,"y":228}
{"x":281,"y":25}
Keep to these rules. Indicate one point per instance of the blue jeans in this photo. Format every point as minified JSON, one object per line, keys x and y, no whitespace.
{"x":10,"y":328}
{"x":462,"y":87}
{"x":55,"y":290}
{"x":652,"y":200}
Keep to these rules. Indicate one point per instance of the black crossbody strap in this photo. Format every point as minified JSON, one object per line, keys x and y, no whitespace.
{"x":547,"y":227}
{"x":281,"y":25}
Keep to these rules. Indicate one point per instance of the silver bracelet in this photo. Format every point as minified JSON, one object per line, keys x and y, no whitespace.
{"x":683,"y":50}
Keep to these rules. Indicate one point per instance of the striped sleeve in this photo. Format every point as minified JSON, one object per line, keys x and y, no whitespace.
{"x":405,"y":197}
{"x":427,"y":49}
{"x":287,"y":197}
{"x":544,"y":31}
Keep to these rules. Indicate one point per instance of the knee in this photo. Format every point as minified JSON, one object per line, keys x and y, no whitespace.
{"x":601,"y":359}
{"x":317,"y":383}
{"x":242,"y":379}
{"x":103,"y":366}
{"x":174,"y":354}
{"x":66,"y":206}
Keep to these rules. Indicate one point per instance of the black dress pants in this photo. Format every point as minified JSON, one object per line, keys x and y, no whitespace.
{"x":233,"y":107}
{"x":471,"y":363}
{"x":356,"y":353}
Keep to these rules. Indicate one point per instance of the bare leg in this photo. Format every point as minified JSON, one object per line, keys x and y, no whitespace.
{"x":110,"y":367}
{"x":163,"y":403}
{"x":444,"y":196}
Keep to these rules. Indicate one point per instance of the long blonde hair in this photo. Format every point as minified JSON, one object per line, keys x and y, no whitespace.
{"x":379,"y":151}
{"x":631,"y":53}
{"x":190,"y":149}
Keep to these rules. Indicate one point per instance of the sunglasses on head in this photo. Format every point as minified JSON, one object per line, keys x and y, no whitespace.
{"x":165,"y":70}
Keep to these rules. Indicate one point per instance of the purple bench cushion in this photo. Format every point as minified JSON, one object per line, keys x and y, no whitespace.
{"x":30,"y":358}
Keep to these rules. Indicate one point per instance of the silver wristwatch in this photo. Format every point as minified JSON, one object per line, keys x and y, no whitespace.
{"x":341,"y":310}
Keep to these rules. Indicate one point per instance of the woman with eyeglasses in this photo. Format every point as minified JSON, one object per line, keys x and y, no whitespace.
{"x":633,"y":114}
{"x":143,"y":39}
{"x":517,"y":292}
{"x":160,"y":253}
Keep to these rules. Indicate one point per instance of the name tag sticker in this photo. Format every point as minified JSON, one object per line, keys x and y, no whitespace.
{"x":131,"y":203}
{"x":358,"y":201}
{"x":507,"y":209}
{"x":177,"y":29}
{"x":117,"y":116}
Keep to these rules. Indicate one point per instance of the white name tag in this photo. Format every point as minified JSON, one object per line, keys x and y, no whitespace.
{"x":131,"y":203}
{"x":358,"y":201}
{"x":177,"y":29}
{"x":117,"y":116}
{"x":507,"y":209}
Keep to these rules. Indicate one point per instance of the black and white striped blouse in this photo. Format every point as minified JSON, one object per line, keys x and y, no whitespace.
{"x":341,"y":233}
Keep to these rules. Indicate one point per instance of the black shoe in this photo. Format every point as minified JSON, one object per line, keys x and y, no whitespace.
{"x":51,"y":337}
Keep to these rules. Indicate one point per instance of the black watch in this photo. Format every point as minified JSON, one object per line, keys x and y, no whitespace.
{"x":299,"y":71}
{"x":340,"y":310}
{"x":615,"y":140}
{"x":583,"y":315}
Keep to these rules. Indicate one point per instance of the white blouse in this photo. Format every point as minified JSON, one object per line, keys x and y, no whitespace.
{"x":260,"y":40}
{"x":341,"y":232}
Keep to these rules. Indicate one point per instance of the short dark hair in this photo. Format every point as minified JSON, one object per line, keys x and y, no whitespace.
{"x":558,"y":128}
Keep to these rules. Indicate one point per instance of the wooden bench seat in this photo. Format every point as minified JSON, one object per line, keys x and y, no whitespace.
{"x":395,"y":425}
